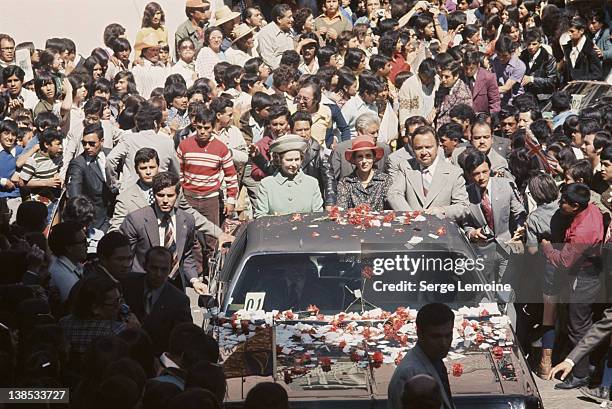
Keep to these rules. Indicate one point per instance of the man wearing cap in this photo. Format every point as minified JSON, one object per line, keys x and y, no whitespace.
{"x":289,"y":190}
{"x":151,"y":74}
{"x":198,"y":14}
{"x":243,"y":46}
{"x":226,"y":20}
{"x":276,"y":36}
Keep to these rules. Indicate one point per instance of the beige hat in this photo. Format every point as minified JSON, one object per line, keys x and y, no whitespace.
{"x":196,"y":4}
{"x":224,"y":14}
{"x":288,"y":143}
{"x":150,"y":40}
{"x":242,"y":30}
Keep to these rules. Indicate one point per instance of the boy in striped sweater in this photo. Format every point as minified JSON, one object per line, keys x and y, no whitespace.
{"x":205,"y":163}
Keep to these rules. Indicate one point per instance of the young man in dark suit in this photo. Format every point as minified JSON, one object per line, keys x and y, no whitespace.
{"x":581,"y":61}
{"x":164,"y":224}
{"x":541,"y":75}
{"x":158,"y":305}
{"x":87,"y":176}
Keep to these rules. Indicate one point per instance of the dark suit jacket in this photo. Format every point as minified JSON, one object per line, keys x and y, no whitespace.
{"x":588,"y":64}
{"x":87,"y":180}
{"x":171,"y":308}
{"x":142,"y":229}
{"x":485,"y":94}
{"x":543,"y":71}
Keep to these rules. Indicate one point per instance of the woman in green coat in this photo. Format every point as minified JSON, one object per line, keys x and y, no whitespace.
{"x":289,"y":190}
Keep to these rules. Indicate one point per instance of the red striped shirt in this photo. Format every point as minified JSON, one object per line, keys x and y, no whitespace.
{"x":204,"y":166}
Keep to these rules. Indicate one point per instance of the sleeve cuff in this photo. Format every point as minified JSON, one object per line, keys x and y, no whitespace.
{"x":3,"y":181}
{"x":569,"y":361}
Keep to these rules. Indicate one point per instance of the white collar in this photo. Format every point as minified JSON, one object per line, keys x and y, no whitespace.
{"x":580,"y":44}
{"x":167,"y":362}
{"x":431,"y":168}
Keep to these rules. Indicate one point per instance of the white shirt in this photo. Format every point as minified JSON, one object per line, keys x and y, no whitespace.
{"x":206,"y":61}
{"x":101,"y":162}
{"x":233,"y":139}
{"x":256,"y":129}
{"x":576,"y":50}
{"x":239,"y":57}
{"x":187,"y":71}
{"x":29,"y":98}
{"x":162,"y":227}
{"x":534,"y":58}
{"x":148,"y":77}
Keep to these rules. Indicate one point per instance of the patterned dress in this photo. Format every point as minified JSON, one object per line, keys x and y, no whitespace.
{"x":351,"y":192}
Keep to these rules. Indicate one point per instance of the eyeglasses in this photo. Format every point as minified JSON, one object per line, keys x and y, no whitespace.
{"x":7,"y":48}
{"x":300,"y":98}
{"x":187,"y":47}
{"x":88,"y":143}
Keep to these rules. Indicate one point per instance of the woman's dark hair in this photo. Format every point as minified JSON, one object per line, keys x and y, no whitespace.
{"x":353,"y":58}
{"x":252,"y":65}
{"x":513,"y":14}
{"x":504,"y":45}
{"x":421,"y":21}
{"x":388,"y":42}
{"x":130,"y":79}
{"x":149,"y":12}
{"x":91,"y":294}
{"x":231,"y":76}
{"x":523,"y":166}
{"x":543,"y":189}
{"x":91,"y":62}
{"x":299,"y":18}
{"x":325,"y":54}
{"x":345,"y":80}
{"x":247,"y":81}
{"x":468,"y":31}
{"x":508,"y":26}
{"x":79,"y":210}
{"x":101,"y":55}
{"x":267,"y":395}
{"x":47,"y":56}
{"x":387,"y":25}
{"x":121,"y":44}
{"x":491,"y":24}
{"x":174,"y":90}
{"x":112,"y":32}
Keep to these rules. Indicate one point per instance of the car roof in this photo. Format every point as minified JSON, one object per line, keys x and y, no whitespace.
{"x":318,"y":233}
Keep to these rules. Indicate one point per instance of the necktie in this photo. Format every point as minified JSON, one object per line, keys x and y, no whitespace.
{"x":149,"y":302}
{"x":487,"y":210}
{"x":426,"y":175}
{"x":471,"y":82}
{"x":102,"y":167}
{"x":150,"y":197}
{"x":441,"y":370}
{"x":170,"y":243}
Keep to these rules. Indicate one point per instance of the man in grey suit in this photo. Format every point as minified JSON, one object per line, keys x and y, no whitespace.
{"x":367,"y":124}
{"x":140,"y":194}
{"x":163,"y":224}
{"x":434,"y":324}
{"x":148,"y":120}
{"x":427,"y":182}
{"x":482,"y":139}
{"x":494,"y":207}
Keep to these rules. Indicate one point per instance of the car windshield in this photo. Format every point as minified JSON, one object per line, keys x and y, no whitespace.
{"x":351,"y":282}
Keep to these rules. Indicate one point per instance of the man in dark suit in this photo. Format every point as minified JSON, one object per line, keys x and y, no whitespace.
{"x":541,"y":75}
{"x":482,"y":83}
{"x":494,"y":208}
{"x":164,"y":224}
{"x":157,"y":304}
{"x":87,"y":176}
{"x":581,"y":61}
{"x":435,"y":334}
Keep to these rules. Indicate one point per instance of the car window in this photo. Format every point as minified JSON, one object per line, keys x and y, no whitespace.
{"x":345,"y":282}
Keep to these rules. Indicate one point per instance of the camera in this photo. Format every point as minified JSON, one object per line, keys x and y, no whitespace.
{"x":485,"y":230}
{"x":380,"y":13}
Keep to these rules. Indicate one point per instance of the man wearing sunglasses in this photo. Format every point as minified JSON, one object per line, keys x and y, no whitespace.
{"x":87,"y":175}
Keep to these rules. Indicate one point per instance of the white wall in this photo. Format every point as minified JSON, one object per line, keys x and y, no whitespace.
{"x":81,"y":20}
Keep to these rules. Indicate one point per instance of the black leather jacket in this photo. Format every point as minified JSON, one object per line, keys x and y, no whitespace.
{"x":315,"y":164}
{"x":544,"y":72}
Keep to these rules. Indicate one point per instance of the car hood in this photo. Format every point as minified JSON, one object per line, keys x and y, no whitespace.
{"x":353,"y":356}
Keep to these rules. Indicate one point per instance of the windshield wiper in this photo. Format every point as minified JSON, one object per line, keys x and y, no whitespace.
{"x":358,"y":294}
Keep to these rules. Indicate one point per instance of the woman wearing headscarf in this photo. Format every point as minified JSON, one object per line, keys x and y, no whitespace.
{"x":289,"y":190}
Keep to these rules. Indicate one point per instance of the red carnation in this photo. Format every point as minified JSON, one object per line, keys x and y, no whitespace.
{"x":297,"y":217}
{"x":378,"y":359}
{"x":484,"y":313}
{"x":498,"y":352}
{"x":355,"y":356}
{"x":289,"y":315}
{"x":389,"y":217}
{"x":457,"y":370}
{"x":325,"y":364}
{"x":342,"y":344}
{"x":479,"y":338}
{"x":244,"y":326}
{"x":334,"y":212}
{"x":313,"y":309}
{"x":399,"y":358}
{"x":367,"y":272}
{"x":315,"y":234}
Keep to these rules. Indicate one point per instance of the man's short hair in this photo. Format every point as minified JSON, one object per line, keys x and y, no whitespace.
{"x":144,"y":155}
{"x":424,"y":130}
{"x":147,"y":116}
{"x":606,"y":154}
{"x":561,"y":101}
{"x":63,"y":235}
{"x":370,"y":84}
{"x":193,"y":344}
{"x":158,"y":251}
{"x":94,"y":129}
{"x":451,"y":130}
{"x":472,"y":159}
{"x":11,"y":70}
{"x":284,"y":74}
{"x":32,"y":215}
{"x":279,"y":11}
{"x":576,"y":194}
{"x":463,"y":112}
{"x":415,"y":120}
{"x":581,"y":169}
{"x":300,"y":116}
{"x":434,"y":314}
{"x":365,"y":120}
{"x":204,"y":116}
{"x":543,"y":189}
{"x":48,"y":136}
{"x":165,"y":180}
{"x":111,"y":242}
{"x":504,"y":45}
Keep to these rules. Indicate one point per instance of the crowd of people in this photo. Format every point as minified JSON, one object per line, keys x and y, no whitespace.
{"x":119,"y":169}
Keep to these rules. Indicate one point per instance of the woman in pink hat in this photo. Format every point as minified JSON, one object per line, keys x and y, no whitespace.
{"x":365,"y":185}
